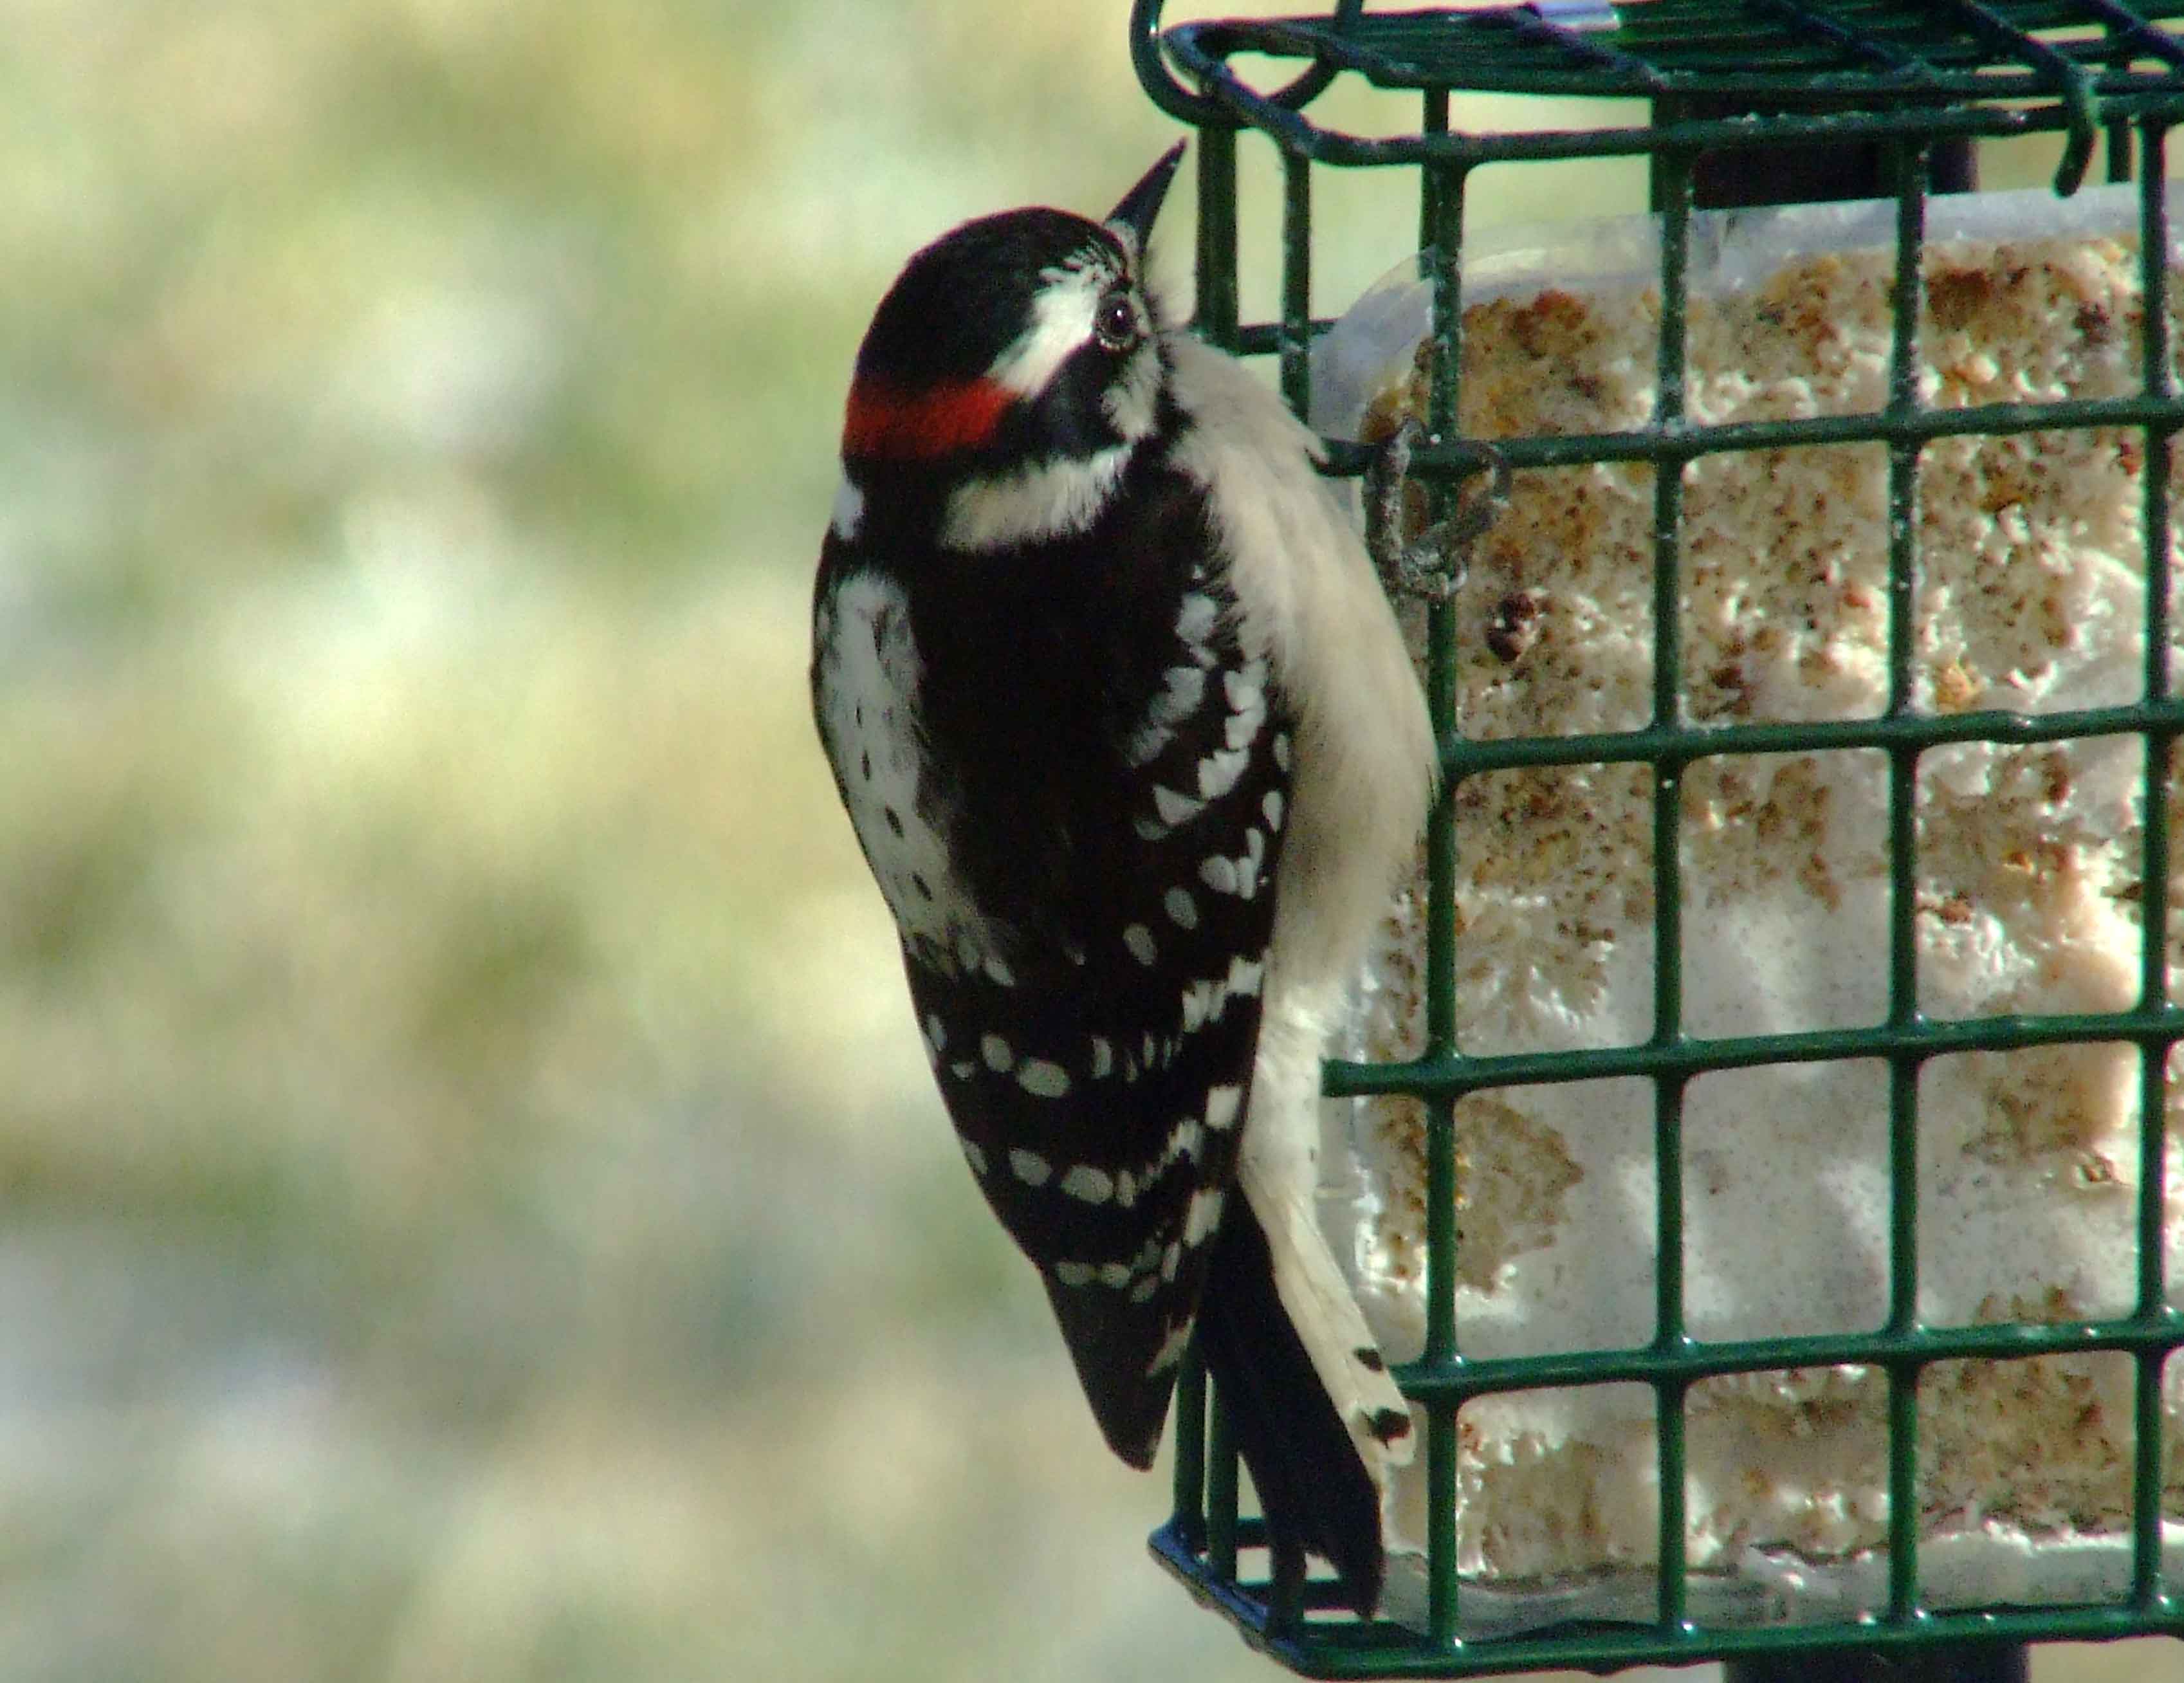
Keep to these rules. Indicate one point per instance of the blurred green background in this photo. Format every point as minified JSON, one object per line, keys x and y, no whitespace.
{"x":475,"y":1206}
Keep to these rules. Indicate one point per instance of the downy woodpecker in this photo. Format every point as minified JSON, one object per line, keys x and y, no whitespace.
{"x":1128,"y":733}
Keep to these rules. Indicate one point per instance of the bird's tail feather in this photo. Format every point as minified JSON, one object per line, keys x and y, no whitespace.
{"x":1315,"y":1488}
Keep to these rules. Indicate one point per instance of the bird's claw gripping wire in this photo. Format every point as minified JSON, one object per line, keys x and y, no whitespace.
{"x":1432,"y":564}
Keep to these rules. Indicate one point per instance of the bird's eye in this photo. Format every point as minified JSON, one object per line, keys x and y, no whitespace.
{"x":1116,"y":323}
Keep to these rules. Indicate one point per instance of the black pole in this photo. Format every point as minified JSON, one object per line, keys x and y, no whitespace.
{"x":1965,"y":1663}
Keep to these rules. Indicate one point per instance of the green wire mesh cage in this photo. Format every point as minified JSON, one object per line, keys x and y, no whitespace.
{"x":1764,"y":77}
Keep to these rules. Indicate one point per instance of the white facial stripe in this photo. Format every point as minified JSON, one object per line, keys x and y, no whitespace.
{"x":1132,"y":402}
{"x":1061,"y":323}
{"x":1054,"y":500}
{"x":848,"y":510}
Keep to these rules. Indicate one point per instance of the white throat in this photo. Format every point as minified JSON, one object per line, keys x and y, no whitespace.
{"x":1033,"y":505}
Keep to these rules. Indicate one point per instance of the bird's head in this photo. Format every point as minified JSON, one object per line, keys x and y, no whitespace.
{"x":1014,"y":342}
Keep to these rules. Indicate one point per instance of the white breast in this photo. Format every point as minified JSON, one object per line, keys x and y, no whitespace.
{"x":868,"y":703}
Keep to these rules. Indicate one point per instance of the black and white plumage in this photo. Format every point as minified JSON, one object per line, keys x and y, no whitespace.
{"x":1128,"y":734}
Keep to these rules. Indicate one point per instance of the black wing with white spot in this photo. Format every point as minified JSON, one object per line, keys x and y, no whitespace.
{"x":1100,"y":1074}
{"x":1084,"y":885}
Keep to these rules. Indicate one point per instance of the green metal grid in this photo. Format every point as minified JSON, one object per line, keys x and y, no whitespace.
{"x":1910,"y":74}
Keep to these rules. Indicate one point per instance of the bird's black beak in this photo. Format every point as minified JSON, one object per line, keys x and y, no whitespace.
{"x":1142,"y":203}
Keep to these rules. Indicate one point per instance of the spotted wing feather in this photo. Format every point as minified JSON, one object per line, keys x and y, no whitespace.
{"x":1099,"y":1090}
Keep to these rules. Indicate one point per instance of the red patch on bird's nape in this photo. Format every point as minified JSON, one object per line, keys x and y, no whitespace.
{"x":938,"y":421}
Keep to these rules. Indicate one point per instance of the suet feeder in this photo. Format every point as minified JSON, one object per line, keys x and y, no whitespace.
{"x":1749,"y":103}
